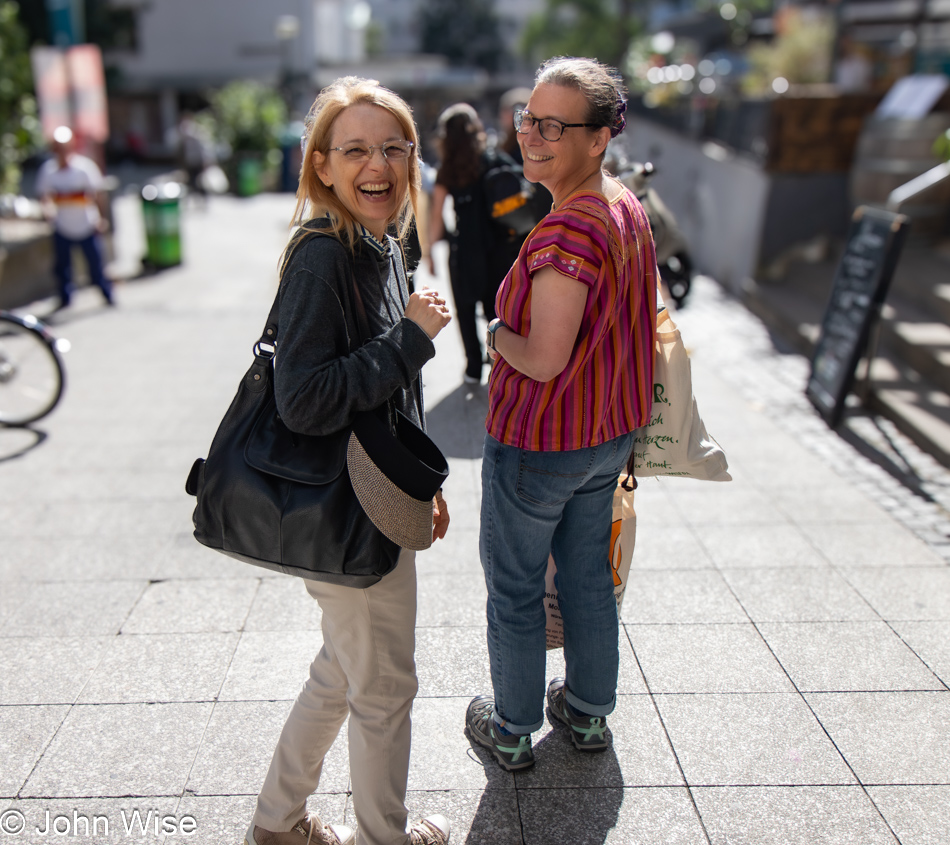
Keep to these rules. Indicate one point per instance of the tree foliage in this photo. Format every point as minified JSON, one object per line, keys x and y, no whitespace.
{"x":598,"y":29}
{"x":801,"y":53}
{"x":19,"y":125}
{"x":248,"y":116}
{"x":465,"y":31}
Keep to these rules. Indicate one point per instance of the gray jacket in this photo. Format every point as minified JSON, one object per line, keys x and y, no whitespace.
{"x":330,"y":365}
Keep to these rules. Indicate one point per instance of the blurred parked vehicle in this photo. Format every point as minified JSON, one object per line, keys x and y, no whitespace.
{"x":672,"y":253}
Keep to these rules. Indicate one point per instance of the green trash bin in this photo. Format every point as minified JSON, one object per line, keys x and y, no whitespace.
{"x":250,"y":173}
{"x":162,"y":214}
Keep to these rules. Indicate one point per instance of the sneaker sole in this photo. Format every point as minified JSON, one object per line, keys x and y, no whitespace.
{"x":554,"y":716}
{"x":490,"y":746}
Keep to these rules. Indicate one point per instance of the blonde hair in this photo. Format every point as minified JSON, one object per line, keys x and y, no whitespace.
{"x":314,"y":199}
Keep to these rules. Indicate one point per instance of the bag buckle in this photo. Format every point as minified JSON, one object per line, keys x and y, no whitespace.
{"x":265,"y":350}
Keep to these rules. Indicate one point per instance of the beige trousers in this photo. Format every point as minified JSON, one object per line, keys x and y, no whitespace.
{"x":365,"y":669}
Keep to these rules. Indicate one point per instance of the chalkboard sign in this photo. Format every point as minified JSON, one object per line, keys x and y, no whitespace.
{"x":860,"y":286}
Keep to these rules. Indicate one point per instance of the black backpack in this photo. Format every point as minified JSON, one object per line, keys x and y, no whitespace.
{"x":510,"y":198}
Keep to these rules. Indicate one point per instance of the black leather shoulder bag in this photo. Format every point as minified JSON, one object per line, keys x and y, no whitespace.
{"x":282,"y":500}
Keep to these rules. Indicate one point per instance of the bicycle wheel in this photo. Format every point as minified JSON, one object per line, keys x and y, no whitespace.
{"x":31,"y":374}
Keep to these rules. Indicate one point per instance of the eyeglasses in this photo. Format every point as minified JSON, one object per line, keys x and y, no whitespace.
{"x":391,"y":151}
{"x":550,"y":128}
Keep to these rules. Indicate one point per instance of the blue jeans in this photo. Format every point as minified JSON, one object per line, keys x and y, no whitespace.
{"x":533,"y":504}
{"x":63,"y":267}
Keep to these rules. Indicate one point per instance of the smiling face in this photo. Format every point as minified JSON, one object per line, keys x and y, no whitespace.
{"x":562,"y":165}
{"x":372,"y":191}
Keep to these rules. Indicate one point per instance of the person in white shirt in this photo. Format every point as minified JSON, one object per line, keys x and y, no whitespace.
{"x":70,"y":187}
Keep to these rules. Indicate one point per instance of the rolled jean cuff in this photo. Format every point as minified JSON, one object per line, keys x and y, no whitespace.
{"x":589,"y":709}
{"x":518,"y":730}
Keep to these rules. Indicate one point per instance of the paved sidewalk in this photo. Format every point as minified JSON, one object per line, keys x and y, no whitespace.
{"x":785,"y":647}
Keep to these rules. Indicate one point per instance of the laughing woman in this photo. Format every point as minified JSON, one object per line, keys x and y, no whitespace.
{"x":573,"y":377}
{"x":343,"y":278}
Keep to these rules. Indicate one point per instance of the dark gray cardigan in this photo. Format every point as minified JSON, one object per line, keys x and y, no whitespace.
{"x":327,"y":367}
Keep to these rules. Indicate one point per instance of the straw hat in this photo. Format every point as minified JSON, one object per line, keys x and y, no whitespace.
{"x":395,"y":472}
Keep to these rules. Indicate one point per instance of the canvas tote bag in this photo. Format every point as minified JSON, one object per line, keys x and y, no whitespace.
{"x":675,"y":442}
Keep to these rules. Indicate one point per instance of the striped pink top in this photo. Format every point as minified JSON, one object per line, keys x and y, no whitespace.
{"x":606,"y":390}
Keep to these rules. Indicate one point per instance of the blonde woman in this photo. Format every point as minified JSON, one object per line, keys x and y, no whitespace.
{"x":343,"y":278}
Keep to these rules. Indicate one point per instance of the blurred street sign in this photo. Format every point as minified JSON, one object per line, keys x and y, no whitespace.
{"x":857,"y":296}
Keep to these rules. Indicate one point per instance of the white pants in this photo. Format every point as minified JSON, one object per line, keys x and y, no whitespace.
{"x":365,"y":669}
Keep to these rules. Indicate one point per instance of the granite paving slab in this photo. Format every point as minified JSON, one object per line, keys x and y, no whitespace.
{"x":111,"y":750}
{"x":761,"y":739}
{"x":679,"y":597}
{"x":881,"y":542}
{"x":25,"y":732}
{"x":931,"y":643}
{"x":917,"y":814}
{"x":452,"y":662}
{"x":659,"y":546}
{"x":115,"y":558}
{"x":442,"y":756}
{"x":797,"y":595}
{"x":610,"y":816}
{"x":887,"y":737}
{"x":450,"y":599}
{"x":706,"y":658}
{"x":801,"y":815}
{"x":186,"y":607}
{"x":183,"y":557}
{"x":826,"y":502}
{"x":77,"y":608}
{"x":237,"y":747}
{"x":847,"y":657}
{"x":653,"y":503}
{"x":283,"y":604}
{"x":913,"y":593}
{"x":161,"y":668}
{"x":270,"y":665}
{"x":457,"y":553}
{"x":734,"y":502}
{"x":49,"y":670}
{"x":760,"y":546}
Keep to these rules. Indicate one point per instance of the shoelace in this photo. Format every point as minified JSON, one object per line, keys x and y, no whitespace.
{"x":597,"y":728}
{"x":316,"y":824}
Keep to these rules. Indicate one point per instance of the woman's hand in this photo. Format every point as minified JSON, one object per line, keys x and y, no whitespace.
{"x":440,"y":517}
{"x":428,"y":311}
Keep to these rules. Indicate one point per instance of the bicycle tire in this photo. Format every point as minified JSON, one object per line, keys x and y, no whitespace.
{"x":32,"y":378}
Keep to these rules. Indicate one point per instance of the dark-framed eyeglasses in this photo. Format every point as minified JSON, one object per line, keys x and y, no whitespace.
{"x":391,"y":151}
{"x":550,"y":128}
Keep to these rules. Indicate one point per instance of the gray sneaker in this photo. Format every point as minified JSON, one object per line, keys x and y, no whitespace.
{"x":513,"y":752}
{"x":588,"y":733}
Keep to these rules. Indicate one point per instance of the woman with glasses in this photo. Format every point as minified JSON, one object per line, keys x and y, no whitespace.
{"x":573,"y":348}
{"x":352,"y":338}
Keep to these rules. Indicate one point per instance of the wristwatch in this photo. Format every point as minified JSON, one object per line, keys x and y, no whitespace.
{"x":493,"y":326}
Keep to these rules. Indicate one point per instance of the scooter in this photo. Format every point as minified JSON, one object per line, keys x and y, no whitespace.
{"x":672,"y":254}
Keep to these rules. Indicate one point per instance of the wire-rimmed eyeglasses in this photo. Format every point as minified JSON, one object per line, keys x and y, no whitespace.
{"x":550,"y":128}
{"x":391,"y":151}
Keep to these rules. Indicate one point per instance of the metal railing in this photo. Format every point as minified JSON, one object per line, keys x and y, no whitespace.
{"x":918,"y":185}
